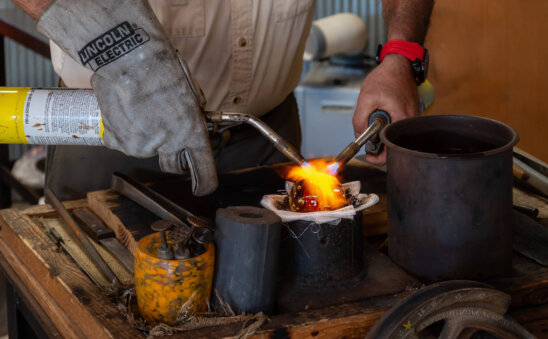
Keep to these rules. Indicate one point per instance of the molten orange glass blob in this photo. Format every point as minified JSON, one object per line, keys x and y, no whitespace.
{"x":315,"y":188}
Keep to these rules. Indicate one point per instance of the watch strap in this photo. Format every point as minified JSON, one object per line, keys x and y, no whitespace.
{"x":417,"y":55}
{"x":410,"y":50}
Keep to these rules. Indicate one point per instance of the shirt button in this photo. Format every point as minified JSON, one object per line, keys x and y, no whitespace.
{"x":237,"y":100}
{"x":242,"y":42}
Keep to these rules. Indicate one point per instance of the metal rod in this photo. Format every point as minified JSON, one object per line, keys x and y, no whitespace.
{"x":58,"y":240}
{"x":27,"y":193}
{"x":88,"y":247}
{"x":164,"y":251}
{"x":281,"y":145}
{"x":527,"y":210}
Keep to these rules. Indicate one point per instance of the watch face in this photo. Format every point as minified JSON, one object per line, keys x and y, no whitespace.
{"x":417,"y":69}
{"x":426,"y":61}
{"x":378,"y":56}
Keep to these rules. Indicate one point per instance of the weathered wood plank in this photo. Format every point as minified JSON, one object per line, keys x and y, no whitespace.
{"x":129,"y":221}
{"x":530,"y":238}
{"x":22,"y":275}
{"x":76,"y":249}
{"x":47,"y":210}
{"x":81,"y":301}
{"x":533,"y":319}
{"x":526,"y":291}
{"x":351,"y":320}
{"x":351,"y":327}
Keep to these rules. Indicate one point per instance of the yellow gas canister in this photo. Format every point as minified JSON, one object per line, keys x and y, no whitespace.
{"x":49,"y":116}
{"x":165,"y":288}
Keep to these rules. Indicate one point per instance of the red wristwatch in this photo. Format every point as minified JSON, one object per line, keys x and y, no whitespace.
{"x":413,"y":51}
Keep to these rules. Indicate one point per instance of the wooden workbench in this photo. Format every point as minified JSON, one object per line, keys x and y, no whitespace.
{"x":65,"y":303}
{"x":68,"y":304}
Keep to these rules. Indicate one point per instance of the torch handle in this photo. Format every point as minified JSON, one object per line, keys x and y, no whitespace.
{"x":374,"y":144}
{"x":377,"y":121}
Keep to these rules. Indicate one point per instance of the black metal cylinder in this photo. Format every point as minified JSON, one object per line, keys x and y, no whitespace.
{"x":449,"y":189}
{"x":247,"y":241}
{"x":321,"y":255}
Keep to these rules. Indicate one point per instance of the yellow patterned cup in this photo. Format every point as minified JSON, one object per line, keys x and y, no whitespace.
{"x":166,"y":288}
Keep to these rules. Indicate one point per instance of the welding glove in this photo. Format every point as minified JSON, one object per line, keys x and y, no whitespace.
{"x":149,"y":102}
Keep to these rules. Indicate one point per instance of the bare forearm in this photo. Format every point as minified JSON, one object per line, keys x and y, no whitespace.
{"x":32,"y":7}
{"x":407,"y":19}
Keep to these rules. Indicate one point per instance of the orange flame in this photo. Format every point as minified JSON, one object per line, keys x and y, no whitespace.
{"x":324,"y":187}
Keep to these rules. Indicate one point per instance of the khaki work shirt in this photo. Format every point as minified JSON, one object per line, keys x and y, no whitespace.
{"x":246,"y":54}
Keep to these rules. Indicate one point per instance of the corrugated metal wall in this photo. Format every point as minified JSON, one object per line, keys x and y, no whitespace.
{"x":369,"y":10}
{"x":24,"y":67}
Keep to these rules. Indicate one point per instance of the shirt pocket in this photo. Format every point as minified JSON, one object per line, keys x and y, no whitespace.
{"x":289,"y":9}
{"x":180,"y":18}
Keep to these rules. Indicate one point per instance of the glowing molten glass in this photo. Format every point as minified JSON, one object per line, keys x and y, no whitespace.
{"x":315,"y":188}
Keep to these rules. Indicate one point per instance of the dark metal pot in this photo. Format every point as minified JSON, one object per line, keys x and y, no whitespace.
{"x":449,"y":190}
{"x":318,"y":256}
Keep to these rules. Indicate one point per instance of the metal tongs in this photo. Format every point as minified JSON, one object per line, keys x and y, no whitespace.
{"x":197,"y":228}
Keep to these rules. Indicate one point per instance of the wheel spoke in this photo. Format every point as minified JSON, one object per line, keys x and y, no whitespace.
{"x":451,"y":329}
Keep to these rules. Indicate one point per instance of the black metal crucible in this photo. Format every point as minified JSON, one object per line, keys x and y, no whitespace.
{"x":321,"y":255}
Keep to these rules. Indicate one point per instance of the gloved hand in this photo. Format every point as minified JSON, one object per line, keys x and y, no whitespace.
{"x":150,"y":104}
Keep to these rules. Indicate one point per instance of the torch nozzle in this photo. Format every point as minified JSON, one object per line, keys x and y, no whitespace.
{"x":280,"y":143}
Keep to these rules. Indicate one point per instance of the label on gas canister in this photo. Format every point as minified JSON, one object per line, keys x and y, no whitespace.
{"x":62,"y":117}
